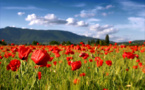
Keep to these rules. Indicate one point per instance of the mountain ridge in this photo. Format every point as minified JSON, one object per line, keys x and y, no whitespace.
{"x":22,"y":36}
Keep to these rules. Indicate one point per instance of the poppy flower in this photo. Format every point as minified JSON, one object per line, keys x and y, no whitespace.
{"x":109,"y":62}
{"x":99,"y":63}
{"x":48,"y":65}
{"x":69,"y":63}
{"x":138,"y":60}
{"x":128,"y":55}
{"x":13,"y":65}
{"x":54,"y":62}
{"x":135,"y":67}
{"x":76,"y":81}
{"x":76,"y":65}
{"x":39,"y":75}
{"x":37,"y":43}
{"x":129,"y":41}
{"x":140,"y":64}
{"x":23,"y":52}
{"x":82,"y":74}
{"x":127,"y":69}
{"x":1,"y":57}
{"x":105,"y":89}
{"x":90,"y":60}
{"x":3,"y":40}
{"x":40,"y":57}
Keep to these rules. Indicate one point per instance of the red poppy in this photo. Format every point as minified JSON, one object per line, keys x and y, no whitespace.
{"x":39,"y":75}
{"x":69,"y":58}
{"x":90,"y":60}
{"x":105,"y":89}
{"x":129,"y":55}
{"x":109,"y":62}
{"x":129,"y":41}
{"x":23,"y":52}
{"x":3,"y":40}
{"x":76,"y":65}
{"x":140,"y":64}
{"x":138,"y":60}
{"x":127,"y":69}
{"x":37,"y":43}
{"x":85,"y":61}
{"x":69,"y":63}
{"x":99,"y":63}
{"x":1,"y":57}
{"x":76,"y":81}
{"x":54,"y":62}
{"x":40,"y":57}
{"x":82,"y":74}
{"x":13,"y":65}
{"x":48,"y":65}
{"x":135,"y":67}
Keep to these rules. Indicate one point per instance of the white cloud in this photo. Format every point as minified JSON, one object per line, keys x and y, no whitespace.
{"x":23,"y":8}
{"x":109,"y":6}
{"x":133,"y":7}
{"x":129,"y":5}
{"x":93,"y":20}
{"x":48,"y":19}
{"x":71,"y":21}
{"x":98,"y":31}
{"x":119,"y":39}
{"x":93,"y":12}
{"x":51,"y":19}
{"x":79,"y":5}
{"x":134,"y":23}
{"x":104,"y":14}
{"x":21,"y":13}
{"x":85,"y":14}
{"x":82,"y":24}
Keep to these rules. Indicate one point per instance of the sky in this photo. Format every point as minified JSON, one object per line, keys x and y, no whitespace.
{"x":123,"y":20}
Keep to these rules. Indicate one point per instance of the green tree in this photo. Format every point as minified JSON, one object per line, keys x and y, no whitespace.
{"x":107,"y":39}
{"x":63,"y":43}
{"x":34,"y":42}
{"x":3,"y":43}
{"x":68,"y":43}
{"x":97,"y":42}
{"x":54,"y":43}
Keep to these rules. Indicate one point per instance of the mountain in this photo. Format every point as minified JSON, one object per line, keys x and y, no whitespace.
{"x":133,"y":42}
{"x":22,"y":36}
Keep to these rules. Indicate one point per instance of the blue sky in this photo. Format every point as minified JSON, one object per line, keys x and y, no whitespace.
{"x":123,"y":20}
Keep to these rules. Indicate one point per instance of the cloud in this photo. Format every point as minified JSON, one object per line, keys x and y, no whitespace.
{"x":119,"y":39}
{"x":92,"y":12}
{"x":82,"y":24}
{"x":109,"y":6}
{"x":21,"y":13}
{"x":134,"y":23}
{"x":130,"y":5}
{"x":51,"y":19}
{"x":133,"y":7}
{"x":71,"y":21}
{"x":91,"y":20}
{"x":104,"y":14}
{"x":79,"y":5}
{"x":23,"y":8}
{"x":85,"y":14}
{"x":98,"y":31}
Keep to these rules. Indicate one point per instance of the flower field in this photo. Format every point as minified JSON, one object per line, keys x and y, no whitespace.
{"x":73,"y":67}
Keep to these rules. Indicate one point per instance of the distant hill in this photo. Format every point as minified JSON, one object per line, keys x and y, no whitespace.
{"x":22,"y":36}
{"x":133,"y":42}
